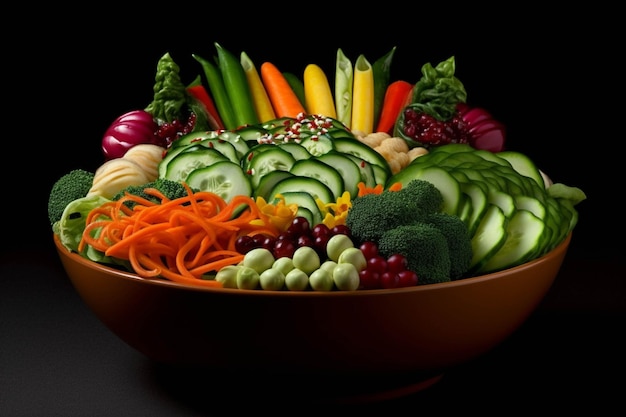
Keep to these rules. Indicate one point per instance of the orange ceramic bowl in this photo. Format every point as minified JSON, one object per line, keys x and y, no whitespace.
{"x":421,"y":330}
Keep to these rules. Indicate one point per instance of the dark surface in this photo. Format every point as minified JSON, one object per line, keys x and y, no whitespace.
{"x":548,"y":86}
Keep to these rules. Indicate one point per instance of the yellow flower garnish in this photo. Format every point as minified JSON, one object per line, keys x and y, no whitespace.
{"x":279,"y":214}
{"x":335,"y":213}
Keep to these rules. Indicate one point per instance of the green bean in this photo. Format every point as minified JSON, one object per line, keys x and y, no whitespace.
{"x":218,"y":91}
{"x":382,"y":74}
{"x":237,"y":87}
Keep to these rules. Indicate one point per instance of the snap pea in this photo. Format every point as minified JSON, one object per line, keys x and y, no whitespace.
{"x":237,"y":88}
{"x":382,"y":74}
{"x":218,"y":91}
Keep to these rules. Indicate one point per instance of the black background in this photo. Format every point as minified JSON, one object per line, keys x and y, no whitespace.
{"x":551,"y":77}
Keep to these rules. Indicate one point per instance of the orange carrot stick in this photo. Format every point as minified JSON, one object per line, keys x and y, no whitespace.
{"x":284,"y":100}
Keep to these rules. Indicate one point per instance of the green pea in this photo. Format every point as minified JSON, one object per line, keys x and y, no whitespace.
{"x":247,"y":278}
{"x":296,"y":280}
{"x":259,"y":259}
{"x":336,"y":245}
{"x":328,"y":265}
{"x":306,"y":259}
{"x":284,"y":264}
{"x":321,"y":280}
{"x":346,"y":277}
{"x":272,"y":279}
{"x":228,"y":276}
{"x":353,"y":256}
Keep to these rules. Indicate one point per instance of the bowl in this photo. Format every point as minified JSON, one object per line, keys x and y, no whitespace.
{"x":411,"y":334}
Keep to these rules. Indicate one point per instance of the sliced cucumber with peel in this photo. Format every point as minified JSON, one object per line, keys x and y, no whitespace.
{"x":224,"y":178}
{"x":524,"y":232}
{"x":488,"y":238}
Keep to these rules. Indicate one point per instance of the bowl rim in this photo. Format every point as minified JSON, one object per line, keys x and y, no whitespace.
{"x":126,"y":275}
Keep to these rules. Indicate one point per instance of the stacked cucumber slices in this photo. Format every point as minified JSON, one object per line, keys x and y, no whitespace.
{"x":300,"y":159}
{"x":509,"y":209}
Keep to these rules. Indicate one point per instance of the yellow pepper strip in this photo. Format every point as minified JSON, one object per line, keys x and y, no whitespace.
{"x":363,"y":97}
{"x":317,"y":94}
{"x":344,"y":78}
{"x":260,"y":99}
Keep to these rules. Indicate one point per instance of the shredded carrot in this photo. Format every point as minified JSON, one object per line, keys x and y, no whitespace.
{"x":181,"y":239}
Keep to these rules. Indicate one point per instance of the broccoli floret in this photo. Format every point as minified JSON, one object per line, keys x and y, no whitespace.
{"x":425,"y":248}
{"x":459,"y":241}
{"x":69,"y":187}
{"x":171,"y":189}
{"x":373,"y":214}
{"x":422,"y":196}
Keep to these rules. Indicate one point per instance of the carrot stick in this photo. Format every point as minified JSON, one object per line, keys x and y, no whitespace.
{"x":181,"y":239}
{"x":282,"y":96}
{"x":395,"y":99}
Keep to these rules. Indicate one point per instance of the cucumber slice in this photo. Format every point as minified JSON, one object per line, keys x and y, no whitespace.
{"x":224,"y":178}
{"x":171,"y":153}
{"x":222,"y":146}
{"x":440,"y":177}
{"x":452,"y":148}
{"x":314,"y":168}
{"x":239,"y":140}
{"x":296,"y":150}
{"x":267,"y":183}
{"x":310,"y":185}
{"x":355,"y":147}
{"x":478,"y":200}
{"x":502,"y":200}
{"x":305,"y":201}
{"x":488,"y":238}
{"x":252,"y":152}
{"x":524,"y":232}
{"x":179,"y":167}
{"x":523,"y":165}
{"x":531,"y":204}
{"x":367,"y":172}
{"x":191,"y":138}
{"x":318,"y":145}
{"x":275,"y":159}
{"x":347,"y":168}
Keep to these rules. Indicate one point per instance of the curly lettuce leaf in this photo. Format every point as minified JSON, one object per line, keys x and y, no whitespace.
{"x":438,"y":92}
{"x":73,"y":220}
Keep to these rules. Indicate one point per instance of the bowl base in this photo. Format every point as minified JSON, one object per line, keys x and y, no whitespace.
{"x":228,"y":385}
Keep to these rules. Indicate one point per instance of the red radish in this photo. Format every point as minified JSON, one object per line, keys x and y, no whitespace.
{"x":490,"y":140}
{"x":128,"y":130}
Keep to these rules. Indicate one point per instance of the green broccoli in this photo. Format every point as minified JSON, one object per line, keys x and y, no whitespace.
{"x":69,"y":187}
{"x":373,"y":214}
{"x":459,"y":241}
{"x":422,"y":196}
{"x":425,"y":248}
{"x":170,"y":188}
{"x":411,"y":222}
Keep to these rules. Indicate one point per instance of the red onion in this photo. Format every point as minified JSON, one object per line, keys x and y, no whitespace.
{"x":128,"y":130}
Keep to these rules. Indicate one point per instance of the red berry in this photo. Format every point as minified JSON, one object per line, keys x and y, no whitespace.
{"x":369,"y":249}
{"x":397,"y":262}
{"x":407,"y":278}
{"x":389,"y":280}
{"x":377,"y":264}
{"x":370,"y":280}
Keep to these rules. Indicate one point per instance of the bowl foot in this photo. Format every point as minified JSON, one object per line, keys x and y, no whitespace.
{"x":228,"y":385}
